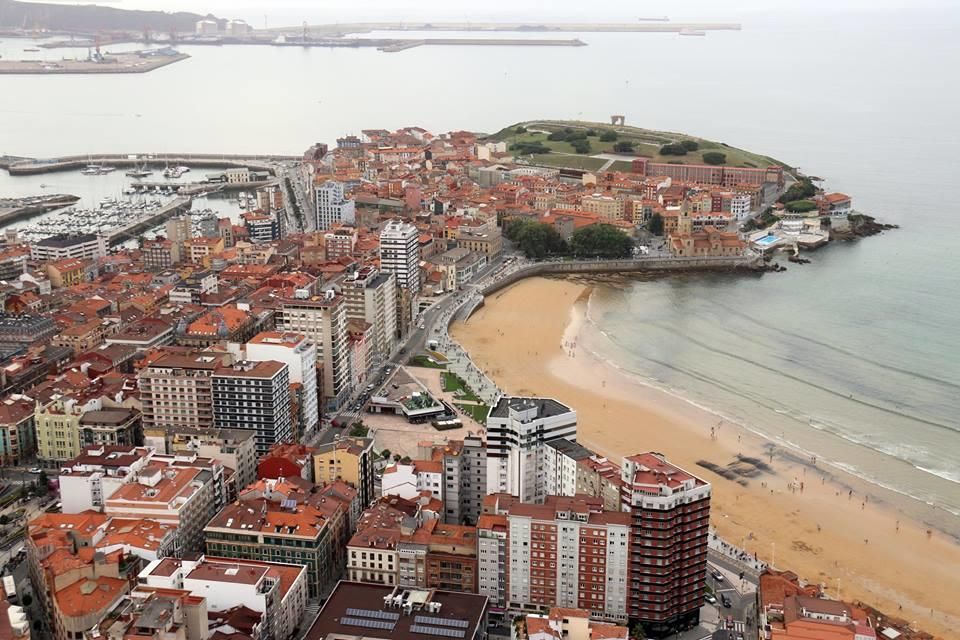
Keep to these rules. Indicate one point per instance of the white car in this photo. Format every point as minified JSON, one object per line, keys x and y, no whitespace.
{"x":36,"y":471}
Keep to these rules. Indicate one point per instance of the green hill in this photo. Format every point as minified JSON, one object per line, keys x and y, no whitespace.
{"x":646,"y":142}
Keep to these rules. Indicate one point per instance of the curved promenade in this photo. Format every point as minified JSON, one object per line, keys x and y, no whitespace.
{"x":468,"y":301}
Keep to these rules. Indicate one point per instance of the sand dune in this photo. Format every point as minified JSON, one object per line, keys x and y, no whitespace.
{"x":525,"y":338}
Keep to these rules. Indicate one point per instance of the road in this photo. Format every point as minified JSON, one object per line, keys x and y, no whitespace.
{"x":416,"y":342}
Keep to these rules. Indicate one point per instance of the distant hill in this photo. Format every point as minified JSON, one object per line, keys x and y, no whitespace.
{"x":89,"y":18}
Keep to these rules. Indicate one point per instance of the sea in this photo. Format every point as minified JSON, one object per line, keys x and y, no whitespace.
{"x":854,"y":358}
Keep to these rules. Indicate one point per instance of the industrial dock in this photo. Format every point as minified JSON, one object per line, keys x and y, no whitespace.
{"x":114,"y":63}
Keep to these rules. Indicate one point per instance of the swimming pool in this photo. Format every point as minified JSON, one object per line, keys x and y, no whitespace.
{"x":766,"y":240}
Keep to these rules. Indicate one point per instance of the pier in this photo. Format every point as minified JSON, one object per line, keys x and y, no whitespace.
{"x":116,"y":63}
{"x":403,"y":45}
{"x":12,"y":210}
{"x":21,"y":167}
{"x":136,"y":227}
{"x":198,"y":188}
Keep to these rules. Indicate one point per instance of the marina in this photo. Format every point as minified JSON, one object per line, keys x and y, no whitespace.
{"x":113,"y":204}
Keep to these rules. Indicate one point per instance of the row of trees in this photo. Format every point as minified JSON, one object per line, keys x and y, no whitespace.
{"x":539,"y":240}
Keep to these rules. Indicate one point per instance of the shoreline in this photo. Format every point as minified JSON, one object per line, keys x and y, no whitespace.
{"x":780,"y":513}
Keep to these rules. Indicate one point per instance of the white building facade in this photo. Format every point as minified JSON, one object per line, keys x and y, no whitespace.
{"x":300,"y":356}
{"x":518,"y":429}
{"x":332,"y":208}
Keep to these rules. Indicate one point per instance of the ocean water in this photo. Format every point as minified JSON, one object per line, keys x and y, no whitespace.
{"x":854,"y":358}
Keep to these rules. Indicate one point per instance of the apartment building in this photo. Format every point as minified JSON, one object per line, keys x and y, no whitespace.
{"x":349,"y":459}
{"x":57,"y":425}
{"x":300,"y":356}
{"x":323,"y":320}
{"x":81,"y":565}
{"x":233,"y":448}
{"x":371,"y":296}
{"x":400,"y":255}
{"x":332,"y":208}
{"x":566,"y":552}
{"x":598,"y":477}
{"x":85,"y":246}
{"x":518,"y":429}
{"x":287,"y":522}
{"x":276,"y":590}
{"x":254,"y":396}
{"x":605,"y":207}
{"x":670,"y":517}
{"x":185,"y":496}
{"x":87,"y":480}
{"x":463,"y":465}
{"x":560,"y":460}
{"x":176,"y":389}
{"x":111,"y":426}
{"x":492,"y":537}
{"x":17,"y":433}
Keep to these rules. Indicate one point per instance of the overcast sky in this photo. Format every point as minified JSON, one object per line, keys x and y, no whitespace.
{"x":344,"y":10}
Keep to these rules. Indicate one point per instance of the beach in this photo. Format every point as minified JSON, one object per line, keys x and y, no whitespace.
{"x":827,"y":526}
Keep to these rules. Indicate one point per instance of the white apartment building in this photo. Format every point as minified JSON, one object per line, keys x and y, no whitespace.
{"x":300,"y":356}
{"x":400,"y":255}
{"x":560,"y":466}
{"x":85,"y":246}
{"x":332,"y":208}
{"x":87,"y":480}
{"x":371,"y":296}
{"x":187,"y":496}
{"x":740,"y":206}
{"x":409,"y":480}
{"x":323,"y":320}
{"x":518,"y":430}
{"x":278,"y":591}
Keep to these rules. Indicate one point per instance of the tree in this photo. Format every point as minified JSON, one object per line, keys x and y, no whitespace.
{"x":601,"y":240}
{"x":714,"y":157}
{"x":385,"y":454}
{"x":27,"y":600}
{"x":608,"y":136}
{"x":529,"y":148}
{"x":405,"y":460}
{"x":359,"y":430}
{"x":623,"y":147}
{"x":637,"y":632}
{"x":655,"y":225}
{"x":690,"y":145}
{"x":581,"y":146}
{"x":592,"y":133}
{"x":520,"y":130}
{"x":800,"y":190}
{"x":673,"y":149}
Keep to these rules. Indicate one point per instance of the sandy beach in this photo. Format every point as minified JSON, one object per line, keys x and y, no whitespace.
{"x":819,"y":523}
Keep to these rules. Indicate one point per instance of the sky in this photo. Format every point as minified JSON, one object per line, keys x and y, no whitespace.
{"x":290,"y":12}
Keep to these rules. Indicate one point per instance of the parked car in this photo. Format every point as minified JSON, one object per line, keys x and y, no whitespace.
{"x":717,"y":576}
{"x":710,"y":598}
{"x":726,"y":601}
{"x":36,"y":471}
